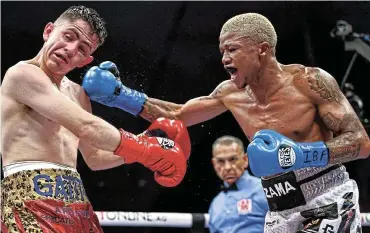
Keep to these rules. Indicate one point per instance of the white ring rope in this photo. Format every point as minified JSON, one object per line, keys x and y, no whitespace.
{"x":152,"y":219}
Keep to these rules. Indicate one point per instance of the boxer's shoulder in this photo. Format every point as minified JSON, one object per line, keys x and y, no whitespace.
{"x":314,"y":82}
{"x":297,"y":72}
{"x":77,"y":89}
{"x":294,"y":73}
{"x":21,"y":69}
{"x":224,"y":88}
{"x":82,"y":97}
{"x":310,"y":75}
{"x":25,"y":73}
{"x":21,"y":73}
{"x":76,"y":92}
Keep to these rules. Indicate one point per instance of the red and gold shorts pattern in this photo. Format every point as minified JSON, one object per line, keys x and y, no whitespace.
{"x":46,"y":200}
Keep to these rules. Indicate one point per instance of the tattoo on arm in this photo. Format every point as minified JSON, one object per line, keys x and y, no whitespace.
{"x":331,"y":122}
{"x":154,"y":109}
{"x":345,"y":147}
{"x":350,"y":136}
{"x":216,"y":93}
{"x":327,"y":90}
{"x":220,"y":89}
{"x":204,"y":98}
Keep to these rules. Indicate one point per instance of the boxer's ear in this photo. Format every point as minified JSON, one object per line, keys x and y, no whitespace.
{"x":47,"y":31}
{"x":88,"y":60}
{"x":264,"y":48}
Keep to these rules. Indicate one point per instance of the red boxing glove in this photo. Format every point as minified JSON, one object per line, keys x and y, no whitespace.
{"x":174,"y":130}
{"x":161,"y":155}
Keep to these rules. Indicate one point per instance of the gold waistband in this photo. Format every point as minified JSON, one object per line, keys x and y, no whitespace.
{"x":58,"y":184}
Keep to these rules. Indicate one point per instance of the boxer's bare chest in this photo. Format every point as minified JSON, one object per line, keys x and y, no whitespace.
{"x":50,"y":127}
{"x":28,"y":131}
{"x":288,"y":112}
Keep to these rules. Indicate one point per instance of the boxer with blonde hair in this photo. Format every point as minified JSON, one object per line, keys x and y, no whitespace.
{"x":300,"y":126}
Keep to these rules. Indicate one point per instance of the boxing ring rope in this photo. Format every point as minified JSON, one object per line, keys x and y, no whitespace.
{"x":153,"y":219}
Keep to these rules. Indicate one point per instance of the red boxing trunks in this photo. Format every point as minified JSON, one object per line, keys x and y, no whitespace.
{"x":46,"y":200}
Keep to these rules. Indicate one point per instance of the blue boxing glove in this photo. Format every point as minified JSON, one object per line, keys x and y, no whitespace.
{"x":271,"y":153}
{"x":103,"y":85}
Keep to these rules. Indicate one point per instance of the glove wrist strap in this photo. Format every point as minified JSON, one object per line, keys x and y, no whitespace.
{"x":131,"y":148}
{"x":315,"y":154}
{"x":130,"y":100}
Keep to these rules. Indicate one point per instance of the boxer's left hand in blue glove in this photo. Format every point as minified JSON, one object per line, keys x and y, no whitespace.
{"x":270,"y":153}
{"x":103,"y":85}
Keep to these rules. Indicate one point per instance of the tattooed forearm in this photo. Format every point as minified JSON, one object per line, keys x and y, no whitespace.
{"x":192,"y":112}
{"x":324,"y":87}
{"x":344,"y":148}
{"x":350,"y":140}
{"x":154,"y":108}
{"x":347,"y":145}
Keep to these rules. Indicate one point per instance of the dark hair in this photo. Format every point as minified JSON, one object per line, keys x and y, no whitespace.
{"x":228,"y":140}
{"x":89,"y":15}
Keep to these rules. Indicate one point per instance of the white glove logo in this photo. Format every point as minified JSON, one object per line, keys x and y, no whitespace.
{"x":286,"y":156}
{"x":166,"y":143}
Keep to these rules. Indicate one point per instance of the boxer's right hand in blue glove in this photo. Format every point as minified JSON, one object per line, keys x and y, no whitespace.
{"x":270,"y":153}
{"x":103,"y":85}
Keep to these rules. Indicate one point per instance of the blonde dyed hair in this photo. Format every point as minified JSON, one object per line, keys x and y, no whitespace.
{"x":254,"y":26}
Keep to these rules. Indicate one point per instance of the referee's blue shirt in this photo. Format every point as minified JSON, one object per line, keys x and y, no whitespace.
{"x":239,"y":211}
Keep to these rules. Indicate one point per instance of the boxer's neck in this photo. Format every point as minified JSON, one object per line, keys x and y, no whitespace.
{"x":268,"y":81}
{"x":39,"y":61}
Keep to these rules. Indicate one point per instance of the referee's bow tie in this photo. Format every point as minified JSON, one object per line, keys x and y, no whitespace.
{"x":231,"y":187}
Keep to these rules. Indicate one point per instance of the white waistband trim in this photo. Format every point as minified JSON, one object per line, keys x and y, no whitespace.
{"x":32,"y":165}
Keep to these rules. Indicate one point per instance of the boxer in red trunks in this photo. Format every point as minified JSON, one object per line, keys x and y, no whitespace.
{"x":46,"y":118}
